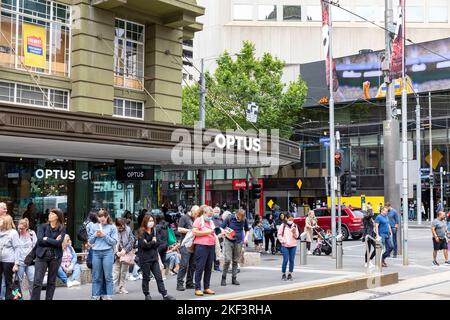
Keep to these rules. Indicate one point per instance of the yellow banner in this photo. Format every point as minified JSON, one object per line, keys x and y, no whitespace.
{"x":34,"y":38}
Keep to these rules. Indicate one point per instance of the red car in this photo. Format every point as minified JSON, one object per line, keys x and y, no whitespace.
{"x":352,"y":221}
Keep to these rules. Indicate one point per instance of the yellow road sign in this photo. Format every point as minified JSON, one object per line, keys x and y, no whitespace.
{"x":437,"y":157}
{"x":299,"y":183}
{"x":270,"y":203}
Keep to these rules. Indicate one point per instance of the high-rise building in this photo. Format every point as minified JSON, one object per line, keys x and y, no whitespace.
{"x":291,"y":29}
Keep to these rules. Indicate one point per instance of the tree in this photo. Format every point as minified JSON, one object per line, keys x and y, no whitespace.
{"x":238,"y":82}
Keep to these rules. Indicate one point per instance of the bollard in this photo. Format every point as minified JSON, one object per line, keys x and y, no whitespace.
{"x":303,"y":255}
{"x":367,"y":252}
{"x":378,"y":250}
{"x":339,"y":252}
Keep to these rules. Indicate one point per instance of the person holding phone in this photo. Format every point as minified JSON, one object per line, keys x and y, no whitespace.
{"x":148,"y":244}
{"x":49,"y":254}
{"x":102,"y":238}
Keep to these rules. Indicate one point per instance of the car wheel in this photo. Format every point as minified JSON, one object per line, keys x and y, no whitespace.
{"x":357,"y":237}
{"x":345,"y":233}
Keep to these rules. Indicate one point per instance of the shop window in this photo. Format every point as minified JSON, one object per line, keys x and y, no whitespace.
{"x":414,"y":14}
{"x":34,"y":95}
{"x":267,"y":13}
{"x":129,"y":109}
{"x":292,"y":13}
{"x":129,"y":55}
{"x":35,"y":36}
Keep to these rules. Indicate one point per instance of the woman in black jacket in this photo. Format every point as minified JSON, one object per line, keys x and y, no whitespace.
{"x":369,"y":230}
{"x":49,"y":253}
{"x":148,"y":243}
{"x":162,"y":230}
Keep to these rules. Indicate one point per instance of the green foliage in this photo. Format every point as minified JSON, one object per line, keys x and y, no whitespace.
{"x":236,"y":83}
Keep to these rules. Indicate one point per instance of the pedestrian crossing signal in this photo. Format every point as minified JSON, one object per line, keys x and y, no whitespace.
{"x":447,"y":189}
{"x":349,"y":184}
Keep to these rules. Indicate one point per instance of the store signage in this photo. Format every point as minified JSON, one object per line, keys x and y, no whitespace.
{"x":55,"y":173}
{"x":35,"y":44}
{"x":240,"y":184}
{"x":241,"y":142}
{"x":134,"y":174}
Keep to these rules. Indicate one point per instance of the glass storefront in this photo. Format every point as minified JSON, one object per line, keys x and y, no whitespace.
{"x":75,"y":187}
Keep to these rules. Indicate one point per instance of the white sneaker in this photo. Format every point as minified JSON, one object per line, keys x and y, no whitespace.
{"x":140,"y":276}
{"x":76,"y":283}
{"x":69,"y":284}
{"x":365,"y":265}
{"x":309,"y":253}
{"x":132,"y":278}
{"x":123,"y":291}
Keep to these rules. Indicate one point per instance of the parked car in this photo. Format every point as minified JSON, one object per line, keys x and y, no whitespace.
{"x":351,"y":221}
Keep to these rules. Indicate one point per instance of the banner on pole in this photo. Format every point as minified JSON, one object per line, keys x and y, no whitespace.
{"x":397,"y":44}
{"x":34,"y":45}
{"x":252,"y":112}
{"x":326,"y":26}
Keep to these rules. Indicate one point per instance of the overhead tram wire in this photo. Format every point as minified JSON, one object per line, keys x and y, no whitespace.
{"x":32,"y":75}
{"x":140,"y":82}
{"x":337,"y":5}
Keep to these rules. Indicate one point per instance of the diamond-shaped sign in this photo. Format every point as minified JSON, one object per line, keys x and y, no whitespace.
{"x":437,"y":157}
{"x":299,"y":184}
{"x":270,"y":203}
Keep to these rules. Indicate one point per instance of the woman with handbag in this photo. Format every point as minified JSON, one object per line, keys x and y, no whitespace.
{"x":9,"y":253}
{"x":103,"y":239}
{"x":48,"y":254}
{"x":27,"y":241}
{"x":124,"y":255}
{"x":148,"y":244}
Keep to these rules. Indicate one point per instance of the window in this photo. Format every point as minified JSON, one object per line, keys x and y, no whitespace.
{"x":292,"y":13}
{"x":129,"y":55}
{"x":369,"y":13}
{"x":243,"y":12}
{"x":414,"y":14}
{"x":129,"y":109}
{"x":34,"y":95}
{"x":39,"y":32}
{"x":267,"y":13}
{"x":438,"y":14}
{"x":314,"y":13}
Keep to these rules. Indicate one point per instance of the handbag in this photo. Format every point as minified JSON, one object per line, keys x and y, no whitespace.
{"x":16,"y":292}
{"x":128,"y":258}
{"x":171,"y":238}
{"x":31,"y":257}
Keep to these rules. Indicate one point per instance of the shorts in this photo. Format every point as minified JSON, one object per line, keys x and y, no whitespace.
{"x":257,"y":242}
{"x":440,"y":245}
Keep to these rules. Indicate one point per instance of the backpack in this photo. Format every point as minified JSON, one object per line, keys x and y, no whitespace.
{"x":257,"y":233}
{"x":82,"y":234}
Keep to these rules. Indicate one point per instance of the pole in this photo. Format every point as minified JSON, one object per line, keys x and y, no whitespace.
{"x":201,"y":172}
{"x":419,"y":160}
{"x":339,"y":191}
{"x":431,"y":216}
{"x":391,"y":130}
{"x":332,"y":142}
{"x":404,"y":148}
{"x":441,"y":170}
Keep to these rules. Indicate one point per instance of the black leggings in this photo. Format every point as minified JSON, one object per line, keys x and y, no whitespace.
{"x":152,"y":267}
{"x":308,"y":245}
{"x":371,"y":244}
{"x":269,"y":237}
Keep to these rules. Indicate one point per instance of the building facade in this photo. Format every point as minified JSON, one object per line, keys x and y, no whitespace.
{"x":292,"y":29}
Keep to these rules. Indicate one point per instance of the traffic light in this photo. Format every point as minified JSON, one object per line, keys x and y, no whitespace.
{"x":447,"y":189}
{"x":349,"y":184}
{"x":338,"y":162}
{"x":256,"y":191}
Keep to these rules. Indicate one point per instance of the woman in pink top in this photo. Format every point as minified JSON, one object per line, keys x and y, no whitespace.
{"x":287,"y":235}
{"x":203,"y":230}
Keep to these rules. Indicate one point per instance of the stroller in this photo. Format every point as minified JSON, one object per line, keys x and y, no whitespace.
{"x":323,"y":242}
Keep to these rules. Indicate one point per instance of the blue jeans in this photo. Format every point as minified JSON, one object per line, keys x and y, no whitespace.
{"x":388,"y":245}
{"x":3,"y":289}
{"x":172,"y":259}
{"x":288,"y":255}
{"x":29,"y":270}
{"x":76,"y":272}
{"x":102,"y":272}
{"x":394,"y":240}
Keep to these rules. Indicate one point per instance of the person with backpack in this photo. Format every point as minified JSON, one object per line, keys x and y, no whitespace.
{"x":232,"y":245}
{"x":148,"y":250}
{"x":269,"y":231}
{"x":258,"y":233}
{"x":27,"y":241}
{"x":288,"y":235}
